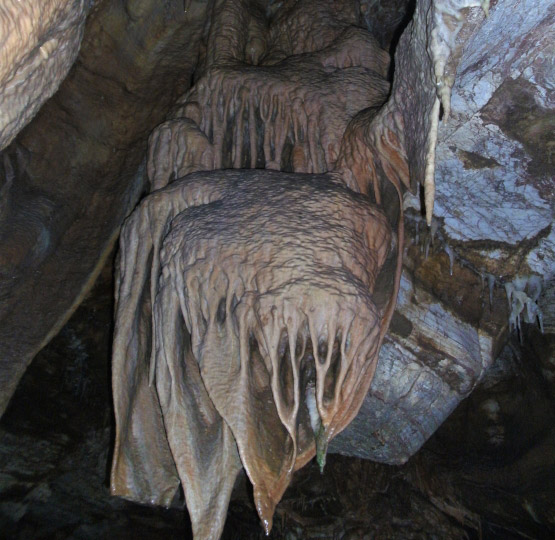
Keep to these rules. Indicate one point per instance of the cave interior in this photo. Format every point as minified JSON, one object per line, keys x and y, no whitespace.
{"x":111,"y":101}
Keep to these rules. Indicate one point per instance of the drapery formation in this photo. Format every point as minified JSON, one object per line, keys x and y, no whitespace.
{"x":247,"y":334}
{"x":289,"y":115}
{"x":251,"y":305}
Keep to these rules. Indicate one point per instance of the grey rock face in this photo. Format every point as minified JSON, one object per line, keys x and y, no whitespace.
{"x":495,"y":154}
{"x":494,"y":213}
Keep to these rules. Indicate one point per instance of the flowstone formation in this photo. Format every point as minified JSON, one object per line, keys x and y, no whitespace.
{"x":246,"y":299}
{"x":251,"y":305}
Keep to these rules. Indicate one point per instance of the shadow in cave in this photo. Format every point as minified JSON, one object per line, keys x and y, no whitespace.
{"x":56,"y":440}
{"x":55,"y":445}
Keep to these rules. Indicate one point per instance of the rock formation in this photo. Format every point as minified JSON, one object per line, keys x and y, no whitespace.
{"x":263,"y":85}
{"x":259,"y":329}
{"x":261,"y":284}
{"x":40,"y":42}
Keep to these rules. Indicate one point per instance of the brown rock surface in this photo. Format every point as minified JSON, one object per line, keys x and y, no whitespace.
{"x":78,"y":169}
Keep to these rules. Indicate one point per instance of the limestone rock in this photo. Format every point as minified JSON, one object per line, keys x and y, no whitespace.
{"x":40,"y":41}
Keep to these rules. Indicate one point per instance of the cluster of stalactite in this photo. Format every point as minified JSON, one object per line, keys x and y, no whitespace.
{"x":251,"y":305}
{"x":286,"y":116}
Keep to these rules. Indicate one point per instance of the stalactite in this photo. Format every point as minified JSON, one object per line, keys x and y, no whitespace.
{"x":270,"y":279}
{"x":522,"y":296}
{"x":304,"y":103}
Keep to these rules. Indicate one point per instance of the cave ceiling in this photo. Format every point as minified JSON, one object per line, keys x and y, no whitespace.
{"x":148,"y":92}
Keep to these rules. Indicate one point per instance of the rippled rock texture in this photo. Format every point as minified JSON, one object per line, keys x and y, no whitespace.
{"x":40,"y":42}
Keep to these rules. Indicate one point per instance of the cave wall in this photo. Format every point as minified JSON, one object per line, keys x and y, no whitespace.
{"x":75,"y":172}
